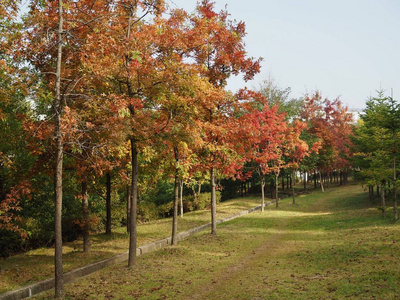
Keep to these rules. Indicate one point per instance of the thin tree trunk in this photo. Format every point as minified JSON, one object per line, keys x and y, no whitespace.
{"x":108,"y":203}
{"x":305,"y":181}
{"x":86,"y":221}
{"x":58,"y":265}
{"x":283,"y":182}
{"x":272,"y":188}
{"x":395,"y":209}
{"x":176,"y":198}
{"x":321,"y":183}
{"x":276,"y":190}
{"x":181,"y":196}
{"x":371,"y":193}
{"x":383,"y":200}
{"x":288,"y":181}
{"x":262,"y":193}
{"x":213,"y":202}
{"x":134,"y":195}
{"x":315,"y":179}
{"x":292,"y":180}
{"x":199,"y":190}
{"x":194,"y":194}
{"x":128,"y":207}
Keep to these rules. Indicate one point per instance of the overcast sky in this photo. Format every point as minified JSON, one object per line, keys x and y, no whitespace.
{"x":344,"y":48}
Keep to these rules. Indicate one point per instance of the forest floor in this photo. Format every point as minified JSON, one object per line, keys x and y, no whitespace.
{"x":331,"y":245}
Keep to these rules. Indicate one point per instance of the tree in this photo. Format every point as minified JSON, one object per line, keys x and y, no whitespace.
{"x":330,"y":125}
{"x":218,"y":51}
{"x":377,"y":143}
{"x":265,"y":130}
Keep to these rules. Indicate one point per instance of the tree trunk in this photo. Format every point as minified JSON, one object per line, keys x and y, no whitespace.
{"x":108,"y":203}
{"x":315,"y":179}
{"x":134,"y":195}
{"x":283,"y":182}
{"x":370,"y":194}
{"x":262,"y":193}
{"x":395,"y":209}
{"x":292,"y":180}
{"x":194,"y":194}
{"x":213,"y":203}
{"x":288,"y":180}
{"x":128,"y":207}
{"x":305,"y":181}
{"x":199,"y":190}
{"x":272,"y":188}
{"x":58,"y":265}
{"x":276,"y":190}
{"x":86,"y":221}
{"x":176,"y":198}
{"x":181,"y":196}
{"x":321,"y":183}
{"x":383,"y":200}
{"x":59,"y":278}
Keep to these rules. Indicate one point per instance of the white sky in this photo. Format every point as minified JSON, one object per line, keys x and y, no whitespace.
{"x":346,"y":48}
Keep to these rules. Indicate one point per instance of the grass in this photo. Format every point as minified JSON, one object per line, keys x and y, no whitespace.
{"x":27,"y":268}
{"x":330,"y":245}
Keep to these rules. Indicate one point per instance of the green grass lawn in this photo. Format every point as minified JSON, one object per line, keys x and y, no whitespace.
{"x":331,"y":245}
{"x":27,"y":268}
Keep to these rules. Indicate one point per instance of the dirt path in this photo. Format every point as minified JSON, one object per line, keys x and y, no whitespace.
{"x":260,"y":263}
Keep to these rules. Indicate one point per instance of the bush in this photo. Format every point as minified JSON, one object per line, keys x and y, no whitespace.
{"x":10,"y":243}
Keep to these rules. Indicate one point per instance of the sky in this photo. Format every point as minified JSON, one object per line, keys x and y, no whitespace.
{"x":343,"y":48}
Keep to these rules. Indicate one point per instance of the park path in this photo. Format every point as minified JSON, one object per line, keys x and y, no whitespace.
{"x":261,"y":260}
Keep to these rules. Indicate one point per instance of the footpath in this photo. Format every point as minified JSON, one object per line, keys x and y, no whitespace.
{"x":69,"y":277}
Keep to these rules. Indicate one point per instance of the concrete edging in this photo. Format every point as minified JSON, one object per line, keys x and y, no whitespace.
{"x":69,"y":277}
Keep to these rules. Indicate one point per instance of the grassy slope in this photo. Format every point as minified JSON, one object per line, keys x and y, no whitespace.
{"x":32,"y":266}
{"x":329,"y":246}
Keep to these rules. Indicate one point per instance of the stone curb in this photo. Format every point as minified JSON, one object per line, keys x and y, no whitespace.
{"x":48,"y":284}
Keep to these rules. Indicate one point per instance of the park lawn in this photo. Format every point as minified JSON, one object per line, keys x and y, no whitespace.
{"x":32,"y":266}
{"x":331,"y":245}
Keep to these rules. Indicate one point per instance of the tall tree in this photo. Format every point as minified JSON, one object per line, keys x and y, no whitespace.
{"x":219,"y":52}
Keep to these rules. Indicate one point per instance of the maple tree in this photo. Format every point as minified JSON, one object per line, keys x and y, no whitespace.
{"x":296,"y":149}
{"x":218,"y":50}
{"x":264,"y":129}
{"x":330,"y":124}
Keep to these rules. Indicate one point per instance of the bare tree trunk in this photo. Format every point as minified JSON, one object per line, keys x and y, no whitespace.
{"x":395,"y":209}
{"x":315,"y":179}
{"x":128,"y":207}
{"x":305,"y":181}
{"x":328,"y":179}
{"x":134,"y":195}
{"x":276,"y":190}
{"x":383,"y":200}
{"x":176,"y":195}
{"x":108,"y":203}
{"x":86,"y":221}
{"x":371,"y":193}
{"x":58,"y":265}
{"x":181,"y":196}
{"x":213,"y":202}
{"x":262,"y":193}
{"x":293,"y":179}
{"x":321,"y":183}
